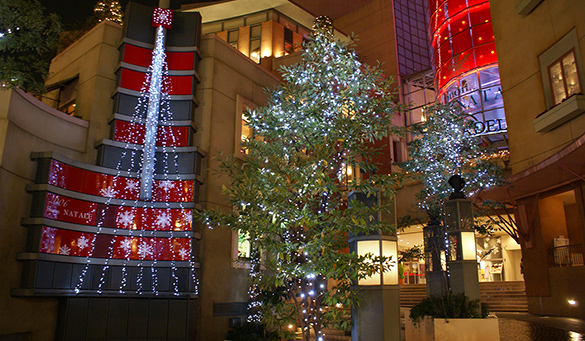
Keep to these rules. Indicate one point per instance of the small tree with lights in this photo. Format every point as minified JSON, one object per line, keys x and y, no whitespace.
{"x":289,"y":190}
{"x":443,"y":145}
{"x":108,"y":11}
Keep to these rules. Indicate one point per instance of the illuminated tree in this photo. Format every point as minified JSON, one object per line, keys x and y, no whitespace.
{"x":289,"y":190}
{"x":109,"y":11}
{"x":445,"y":144}
{"x":28,"y":39}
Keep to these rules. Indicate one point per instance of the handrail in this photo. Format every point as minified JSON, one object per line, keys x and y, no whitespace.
{"x":567,"y":255}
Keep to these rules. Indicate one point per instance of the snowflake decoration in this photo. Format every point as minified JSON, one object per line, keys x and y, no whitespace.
{"x":163,"y":220}
{"x":109,"y":192}
{"x":132,"y":185}
{"x":145,"y":249}
{"x":64,"y":250}
{"x":126,"y":219}
{"x":162,"y":17}
{"x":183,"y":253}
{"x":82,"y":242}
{"x":166,"y":185}
{"x":187,"y":217}
{"x":125,"y":245}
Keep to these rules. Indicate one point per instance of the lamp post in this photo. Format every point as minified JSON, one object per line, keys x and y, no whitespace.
{"x":461,"y":259}
{"x":435,"y":258}
{"x":378,"y":315}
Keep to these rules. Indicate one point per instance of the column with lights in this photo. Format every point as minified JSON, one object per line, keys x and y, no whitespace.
{"x":378,"y":315}
{"x":461,"y":260}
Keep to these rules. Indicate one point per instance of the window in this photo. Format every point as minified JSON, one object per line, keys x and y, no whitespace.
{"x":288,"y":41}
{"x":63,"y":95}
{"x":564,"y":79}
{"x":561,"y":70}
{"x":242,"y":130}
{"x":255,"y":36}
{"x":233,"y":38}
{"x":244,"y":246}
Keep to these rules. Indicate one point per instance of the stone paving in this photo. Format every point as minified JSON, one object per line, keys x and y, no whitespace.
{"x":523,"y":326}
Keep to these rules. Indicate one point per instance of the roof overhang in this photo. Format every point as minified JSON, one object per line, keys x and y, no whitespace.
{"x":223,"y":10}
{"x":562,"y":168}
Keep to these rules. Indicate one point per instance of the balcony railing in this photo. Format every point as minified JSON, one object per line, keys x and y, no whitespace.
{"x":567,"y":255}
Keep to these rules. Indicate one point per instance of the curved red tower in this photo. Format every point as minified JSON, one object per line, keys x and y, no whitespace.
{"x":466,"y":63}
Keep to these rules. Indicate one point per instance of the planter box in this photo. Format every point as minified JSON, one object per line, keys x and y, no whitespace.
{"x":453,"y":329}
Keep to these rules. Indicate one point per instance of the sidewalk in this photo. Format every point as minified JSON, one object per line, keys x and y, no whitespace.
{"x":524,"y":326}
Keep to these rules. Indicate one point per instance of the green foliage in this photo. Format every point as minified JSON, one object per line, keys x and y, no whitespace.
{"x":448,"y":306}
{"x":289,"y":191}
{"x":412,"y":253}
{"x":29,"y":40}
{"x":400,"y":270}
{"x":445,"y":145}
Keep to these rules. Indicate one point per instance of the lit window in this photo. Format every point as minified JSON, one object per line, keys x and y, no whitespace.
{"x":564,"y":78}
{"x":255,"y":38}
{"x":242,"y":131}
{"x":62,"y":95}
{"x":561,"y":70}
{"x":244,"y":246}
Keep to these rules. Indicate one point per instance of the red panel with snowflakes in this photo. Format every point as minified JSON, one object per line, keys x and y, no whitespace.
{"x":73,"y":243}
{"x":119,"y":187}
{"x":62,"y":208}
{"x":166,"y":136}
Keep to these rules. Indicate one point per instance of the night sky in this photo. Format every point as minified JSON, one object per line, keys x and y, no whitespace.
{"x":76,"y":11}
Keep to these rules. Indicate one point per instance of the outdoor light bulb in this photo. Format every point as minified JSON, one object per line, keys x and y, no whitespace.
{"x":572,"y":302}
{"x":290,"y":326}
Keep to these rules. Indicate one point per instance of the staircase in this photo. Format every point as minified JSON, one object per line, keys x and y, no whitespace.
{"x":504,"y":296}
{"x":500,"y":296}
{"x":412,"y":294}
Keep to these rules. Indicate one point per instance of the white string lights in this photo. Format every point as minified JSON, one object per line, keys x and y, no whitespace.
{"x":134,"y":236}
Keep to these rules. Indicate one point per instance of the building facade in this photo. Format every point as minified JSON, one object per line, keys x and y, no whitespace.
{"x":539,"y":46}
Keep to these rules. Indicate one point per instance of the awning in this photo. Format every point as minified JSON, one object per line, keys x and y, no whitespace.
{"x":562,"y":168}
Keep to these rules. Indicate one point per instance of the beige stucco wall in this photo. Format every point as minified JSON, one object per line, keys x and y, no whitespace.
{"x":519,"y":42}
{"x":94,"y":57}
{"x":27,"y":125}
{"x":373,"y":24}
{"x":225,"y":74}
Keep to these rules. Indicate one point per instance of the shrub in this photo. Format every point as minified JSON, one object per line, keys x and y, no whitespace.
{"x":449,"y":305}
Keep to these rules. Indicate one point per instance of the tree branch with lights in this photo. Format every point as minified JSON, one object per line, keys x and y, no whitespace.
{"x":289,"y":190}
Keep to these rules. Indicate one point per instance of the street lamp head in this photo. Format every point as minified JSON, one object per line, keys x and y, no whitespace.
{"x":457,"y":182}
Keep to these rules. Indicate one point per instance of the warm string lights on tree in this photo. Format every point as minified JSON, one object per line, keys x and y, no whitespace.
{"x":286,"y":190}
{"x":109,"y":11}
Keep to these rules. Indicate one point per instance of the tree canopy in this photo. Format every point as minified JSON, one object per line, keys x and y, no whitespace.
{"x":443,"y":145}
{"x":28,"y":39}
{"x":289,"y":190}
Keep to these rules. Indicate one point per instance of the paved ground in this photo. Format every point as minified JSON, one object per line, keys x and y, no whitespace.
{"x":523,"y":326}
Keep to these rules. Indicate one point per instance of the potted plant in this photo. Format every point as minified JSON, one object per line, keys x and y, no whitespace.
{"x":450,"y":316}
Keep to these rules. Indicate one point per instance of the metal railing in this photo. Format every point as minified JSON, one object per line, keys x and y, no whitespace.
{"x":567,"y":255}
